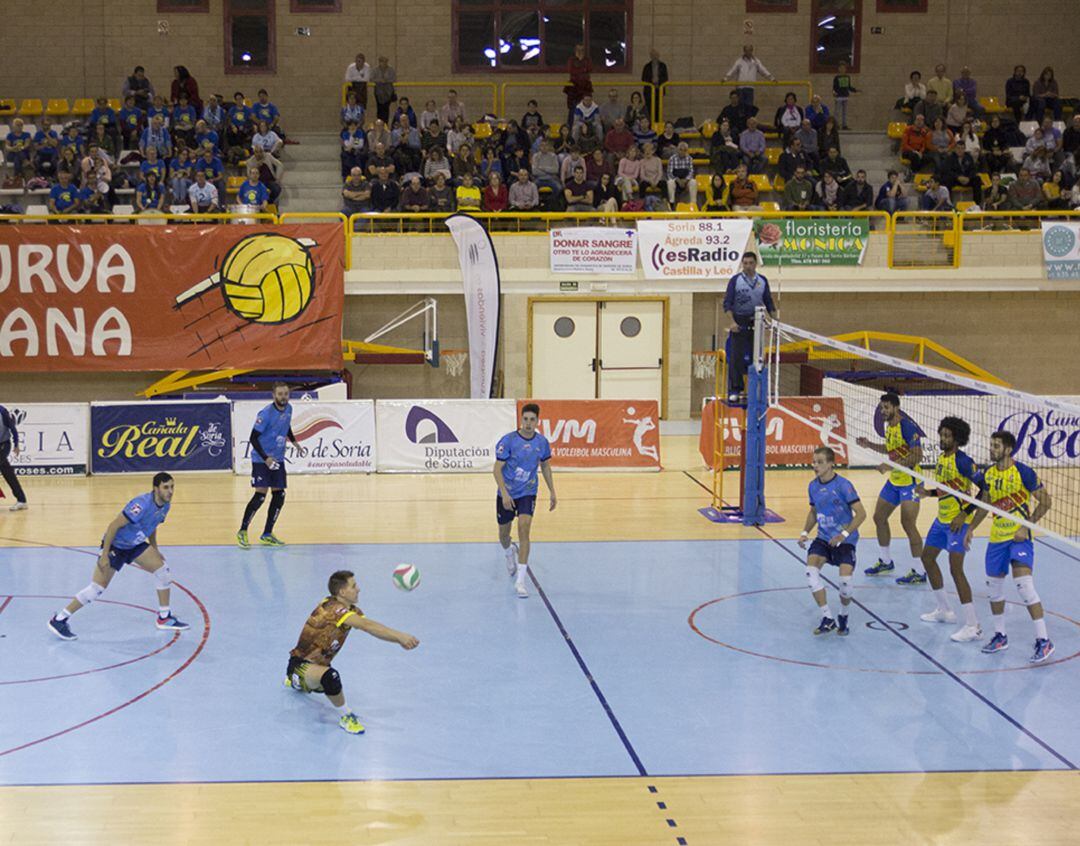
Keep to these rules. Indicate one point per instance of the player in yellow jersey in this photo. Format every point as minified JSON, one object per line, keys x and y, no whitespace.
{"x":952,"y":529}
{"x":1010,"y":487}
{"x":903,"y":445}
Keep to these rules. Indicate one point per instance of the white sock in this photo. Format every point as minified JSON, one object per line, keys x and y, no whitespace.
{"x":844,"y":608}
{"x":1040,"y":628}
{"x":522,"y":570}
{"x":941,"y":599}
{"x":969,"y":614}
{"x":163,"y":611}
{"x":883,"y":553}
{"x":62,"y":614}
{"x":826,"y":611}
{"x":999,"y":622}
{"x":344,"y":710}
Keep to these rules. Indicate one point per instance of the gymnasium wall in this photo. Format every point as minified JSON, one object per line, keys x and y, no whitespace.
{"x":87,"y":47}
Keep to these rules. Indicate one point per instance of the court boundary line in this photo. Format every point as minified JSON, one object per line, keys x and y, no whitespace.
{"x":922,"y":652}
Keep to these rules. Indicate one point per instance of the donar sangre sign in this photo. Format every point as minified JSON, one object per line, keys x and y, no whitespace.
{"x":812,"y":241}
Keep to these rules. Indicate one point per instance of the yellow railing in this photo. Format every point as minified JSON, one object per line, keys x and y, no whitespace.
{"x":436,"y":91}
{"x":925,"y":240}
{"x":529,"y":92}
{"x":307,"y":217}
{"x":801,"y":87}
{"x":1010,"y":222}
{"x":164,"y":217}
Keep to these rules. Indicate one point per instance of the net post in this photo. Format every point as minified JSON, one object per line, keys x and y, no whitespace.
{"x":720,"y":383}
{"x":757,"y":403}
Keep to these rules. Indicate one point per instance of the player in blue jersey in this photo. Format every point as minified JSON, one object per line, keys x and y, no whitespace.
{"x":130,"y":538}
{"x":903,"y":445}
{"x":519,"y":456}
{"x":273,"y":427}
{"x":837,"y":512}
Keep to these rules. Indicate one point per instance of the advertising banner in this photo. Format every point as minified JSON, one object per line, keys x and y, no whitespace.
{"x":191,"y":297}
{"x":335,"y":437}
{"x":812,"y":241}
{"x":588,"y":250}
{"x":1061,"y":249}
{"x":55,"y":438}
{"x":145,"y":437}
{"x":787,"y":441}
{"x":710,"y":249}
{"x":480,"y":279}
{"x":601,"y":434}
{"x":441,"y":436}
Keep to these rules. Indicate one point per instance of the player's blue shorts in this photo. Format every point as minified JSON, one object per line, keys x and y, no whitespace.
{"x":522,"y":505}
{"x":1000,"y":555}
{"x":835,"y":555}
{"x":119,"y":557}
{"x":940,"y":537}
{"x":263,"y":477}
{"x":895,"y":494}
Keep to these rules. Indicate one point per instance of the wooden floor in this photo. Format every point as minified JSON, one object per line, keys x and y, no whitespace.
{"x":788,"y":810}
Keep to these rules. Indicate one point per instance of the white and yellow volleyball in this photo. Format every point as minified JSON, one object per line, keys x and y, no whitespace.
{"x":268,"y":278}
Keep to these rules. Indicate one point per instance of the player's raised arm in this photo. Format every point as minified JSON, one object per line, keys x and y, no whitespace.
{"x":376,"y":629}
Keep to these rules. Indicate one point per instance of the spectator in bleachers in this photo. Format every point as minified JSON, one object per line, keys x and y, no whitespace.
{"x":967,"y":86}
{"x":1074,"y":196}
{"x":915,"y":143}
{"x":523,"y":194}
{"x":789,"y":116}
{"x":159,"y":108}
{"x":940,"y":143}
{"x":96,"y":177}
{"x":153,"y":164}
{"x":489,"y":164}
{"x":1045,"y":95}
{"x":270,"y":173}
{"x":150,"y":195}
{"x":636,"y":110}
{"x":578,"y":193}
{"x":182,"y":174}
{"x":182,"y":121}
{"x":890,"y":197}
{"x":667,"y":142}
{"x":857,"y":195}
{"x":743,"y":193}
{"x":752,"y":147}
{"x":206,"y":137}
{"x":545,"y":167}
{"x":619,"y":139}
{"x":914,"y":92}
{"x":17,"y":151}
{"x":379,"y":159}
{"x":829,"y":136}
{"x":715,"y":194}
{"x":514,"y":137}
{"x":798,"y":191}
{"x":464,"y":164}
{"x":736,"y":112}
{"x":1018,"y":93}
{"x":586,"y":113}
{"x":1053,"y":139}
{"x":104,"y":115}
{"x":357,"y":75}
{"x":941,"y":84}
{"x":436,"y":163}
{"x":352,"y":111}
{"x":563,"y":142}
{"x":238,"y":130}
{"x":495,"y":197}
{"x":94,"y":199}
{"x":996,"y":197}
{"x":353,"y":148}
{"x":1025,"y":193}
{"x":452,"y":109}
{"x":792,"y":159}
{"x":588,"y":140}
{"x":643,"y":133}
{"x":612,"y":110}
{"x":929,"y":108}
{"x":184,"y":83}
{"x":517,"y":161}
{"x":652,"y":169}
{"x":596,"y":165}
{"x":383,"y":77}
{"x":442,"y":195}
{"x":809,"y":140}
{"x":209,"y":163}
{"x":1054,"y":196}
{"x":434,"y":136}
{"x":1070,"y":147}
{"x":1035,"y":141}
{"x":404,"y":108}
{"x":64,"y":196}
{"x":628,"y":174}
{"x":835,"y":164}
{"x":379,"y":134}
{"x":747,"y":68}
{"x":213,"y":114}
{"x":827,"y":193}
{"x":71,"y":138}
{"x":1037,"y":163}
{"x":202,"y":196}
{"x":816,"y":113}
{"x":842,"y":90}
{"x":958,"y":112}
{"x":579,"y":69}
{"x":936,"y":198}
{"x":405,"y":141}
{"x":46,"y":149}
{"x":252,"y":192}
{"x":680,"y":174}
{"x":724,"y":148}
{"x":532,"y":117}
{"x":467,"y":195}
{"x":263,"y":110}
{"x":139,"y":87}
{"x":996,"y":141}
{"x":69,"y":163}
{"x":130,"y":122}
{"x":430,"y":113}
{"x":605,"y":194}
{"x":655,"y":73}
{"x":968,"y":141}
{"x":414,"y":197}
{"x":566,"y":168}
{"x":355,"y":193}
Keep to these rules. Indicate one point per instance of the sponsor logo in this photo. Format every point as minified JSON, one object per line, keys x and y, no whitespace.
{"x":1044,"y":434}
{"x":425,"y":427}
{"x":152,"y":439}
{"x":661,"y":257}
{"x":212,"y":439}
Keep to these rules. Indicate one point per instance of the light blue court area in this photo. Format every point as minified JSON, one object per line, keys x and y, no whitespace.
{"x":665,"y":658}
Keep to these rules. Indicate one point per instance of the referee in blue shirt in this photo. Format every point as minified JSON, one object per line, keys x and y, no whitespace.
{"x":9,"y":441}
{"x":746,"y":290}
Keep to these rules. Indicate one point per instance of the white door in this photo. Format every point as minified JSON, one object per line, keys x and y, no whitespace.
{"x":631,"y":349}
{"x":563,"y":349}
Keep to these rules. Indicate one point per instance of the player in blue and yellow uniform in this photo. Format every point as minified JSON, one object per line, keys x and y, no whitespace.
{"x":952,"y":529}
{"x":1010,"y":486}
{"x":130,"y":537}
{"x":836,"y":510}
{"x":519,"y":456}
{"x":903,"y":445}
{"x":273,"y":427}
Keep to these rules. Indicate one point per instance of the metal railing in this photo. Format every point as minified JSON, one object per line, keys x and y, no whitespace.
{"x":922,"y":240}
{"x":709,"y":108}
{"x":436,"y":91}
{"x":530,"y":92}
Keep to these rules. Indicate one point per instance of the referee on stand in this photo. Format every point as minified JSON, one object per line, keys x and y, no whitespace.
{"x":746,"y":290}
{"x":9,"y":440}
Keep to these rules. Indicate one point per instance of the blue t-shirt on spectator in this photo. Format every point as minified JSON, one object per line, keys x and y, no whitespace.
{"x":154,"y":111}
{"x":183,"y":118}
{"x":103,"y":115}
{"x":206,"y":138}
{"x":159,"y":139}
{"x":157,"y":167}
{"x":131,"y":119}
{"x":150,"y":197}
{"x":20,"y":140}
{"x":178,"y":168}
{"x":213,"y":168}
{"x":64,"y":198}
{"x":68,"y":141}
{"x":43,"y":137}
{"x":252,"y":195}
{"x":240,"y":117}
{"x":265,"y":111}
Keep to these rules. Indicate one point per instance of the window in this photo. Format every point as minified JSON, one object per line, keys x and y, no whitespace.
{"x":539,"y":35}
{"x":772,"y":5}
{"x":901,"y":5}
{"x":301,"y":6}
{"x":250,"y":45}
{"x":835,"y":35}
{"x":183,"y":5}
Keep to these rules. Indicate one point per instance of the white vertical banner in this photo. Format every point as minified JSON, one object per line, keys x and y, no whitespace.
{"x":480,"y":278}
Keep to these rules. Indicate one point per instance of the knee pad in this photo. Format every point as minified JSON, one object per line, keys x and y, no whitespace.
{"x":163,"y":577}
{"x":277,"y":499}
{"x":331,"y":682}
{"x":845,"y":587}
{"x":813,"y":578}
{"x":1025,"y":586}
{"x":995,"y":588}
{"x":89,"y":593}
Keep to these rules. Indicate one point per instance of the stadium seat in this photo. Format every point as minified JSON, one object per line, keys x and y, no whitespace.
{"x":896,"y":129}
{"x":921,"y":179}
{"x":964,"y":205}
{"x":57,"y":107}
{"x":553,"y":130}
{"x":36,"y":209}
{"x":992,"y":105}
{"x":708,"y":129}
{"x":7,"y":106}
{"x":115,"y":104}
{"x":686,"y":207}
{"x":82,"y":107}
{"x":985,"y":179}
{"x":5,"y":131}
{"x":702,"y":180}
{"x":770,"y":206}
{"x":772,"y":155}
{"x":233,"y":183}
{"x":1028,"y":127}
{"x":761,"y":181}
{"x":729,"y":178}
{"x":778,"y":184}
{"x":31,"y":107}
{"x":481,"y":130}
{"x":120,"y":208}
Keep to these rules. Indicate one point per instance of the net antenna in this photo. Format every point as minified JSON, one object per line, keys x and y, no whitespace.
{"x":1047,"y":429}
{"x":427,"y":308}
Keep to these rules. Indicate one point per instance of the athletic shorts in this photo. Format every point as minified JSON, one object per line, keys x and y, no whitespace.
{"x":895,"y":494}
{"x":940,"y":537}
{"x":522,"y":505}
{"x":294,"y":674}
{"x":263,"y":477}
{"x":119,"y":557}
{"x":1000,"y":555}
{"x":835,"y":555}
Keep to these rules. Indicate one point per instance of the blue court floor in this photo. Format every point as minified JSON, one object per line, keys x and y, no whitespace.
{"x":665,"y":658}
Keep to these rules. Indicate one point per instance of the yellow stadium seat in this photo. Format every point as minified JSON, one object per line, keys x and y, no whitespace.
{"x":115,"y":104}
{"x":964,"y":205}
{"x":770,"y":206}
{"x":772,"y":155}
{"x":729,"y":178}
{"x":761,"y":181}
{"x":921,"y":179}
{"x":896,"y":129}
{"x":702,"y":180}
{"x":708,"y":129}
{"x":778,"y":183}
{"x":992,"y":105}
{"x":7,"y":106}
{"x":31,"y":108}
{"x":233,"y":183}
{"x":553,"y":130}
{"x":481,"y":130}
{"x":57,"y":107}
{"x":686,"y":207}
{"x":985,"y":179}
{"x":82,"y":107}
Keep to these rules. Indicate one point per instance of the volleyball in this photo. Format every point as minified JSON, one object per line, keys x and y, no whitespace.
{"x":406,"y":577}
{"x":268,"y":278}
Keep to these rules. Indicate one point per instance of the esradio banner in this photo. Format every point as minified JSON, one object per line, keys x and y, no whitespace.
{"x":55,"y":438}
{"x":708,"y":249}
{"x":603,"y":434}
{"x":593,"y":250}
{"x":441,"y":436}
{"x":787,"y":441}
{"x":191,"y":297}
{"x":145,"y":437}
{"x":335,"y":437}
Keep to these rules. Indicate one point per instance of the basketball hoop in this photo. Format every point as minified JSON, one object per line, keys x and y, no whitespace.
{"x":704,"y":365}
{"x":454,"y":361}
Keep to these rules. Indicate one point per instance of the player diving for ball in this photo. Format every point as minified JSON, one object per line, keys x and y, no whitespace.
{"x":903,"y":446}
{"x":518,"y":457}
{"x":951,"y":531}
{"x":836,"y":510}
{"x":324,"y":635}
{"x":1010,"y":486}
{"x":273,"y":426}
{"x":130,"y":538}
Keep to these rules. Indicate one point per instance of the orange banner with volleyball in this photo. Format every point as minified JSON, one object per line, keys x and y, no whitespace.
{"x":187,"y":297}
{"x":788,"y":440}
